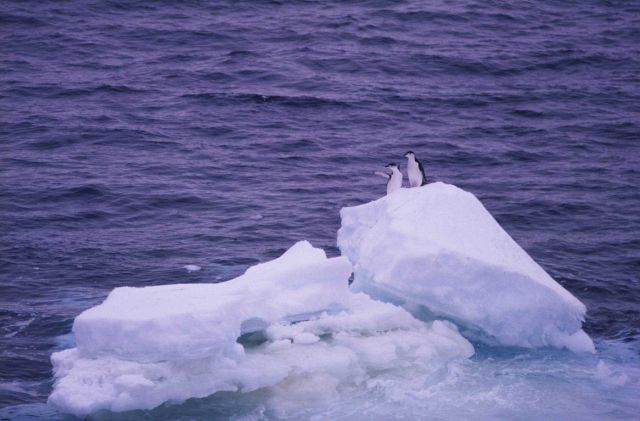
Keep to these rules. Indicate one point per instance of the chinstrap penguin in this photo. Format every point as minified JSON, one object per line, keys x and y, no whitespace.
{"x":395,"y":179}
{"x":415,"y":170}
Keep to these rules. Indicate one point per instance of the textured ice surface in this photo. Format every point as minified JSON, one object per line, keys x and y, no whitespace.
{"x":436,"y":249}
{"x":291,"y":325}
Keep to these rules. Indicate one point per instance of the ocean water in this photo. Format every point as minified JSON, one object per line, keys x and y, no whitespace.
{"x":140,"y":137}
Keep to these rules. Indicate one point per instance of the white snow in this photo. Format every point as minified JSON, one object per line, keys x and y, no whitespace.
{"x":145,"y":346}
{"x":437,"y":251}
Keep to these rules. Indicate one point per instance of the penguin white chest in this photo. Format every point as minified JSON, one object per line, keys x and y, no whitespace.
{"x":395,"y":181}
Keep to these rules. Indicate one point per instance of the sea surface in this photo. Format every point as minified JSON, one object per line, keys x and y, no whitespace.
{"x":137,"y":137}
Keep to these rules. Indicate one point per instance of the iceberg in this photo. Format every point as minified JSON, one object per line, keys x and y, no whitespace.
{"x":425,"y":261}
{"x":290,"y":325}
{"x":437,"y":251}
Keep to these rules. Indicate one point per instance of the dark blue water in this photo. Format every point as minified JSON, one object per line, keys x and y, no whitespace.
{"x":137,"y":137}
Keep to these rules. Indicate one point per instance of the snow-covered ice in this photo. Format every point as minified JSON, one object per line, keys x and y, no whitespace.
{"x":192,"y":268}
{"x":290,"y":324}
{"x":437,"y":251}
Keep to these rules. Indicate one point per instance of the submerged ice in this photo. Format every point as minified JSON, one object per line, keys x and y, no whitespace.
{"x":436,"y":250}
{"x":294,"y":329}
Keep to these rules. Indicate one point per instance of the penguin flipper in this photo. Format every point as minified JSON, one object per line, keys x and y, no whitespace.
{"x":424,"y":177}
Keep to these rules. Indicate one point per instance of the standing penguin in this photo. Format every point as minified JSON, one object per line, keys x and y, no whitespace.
{"x":415,"y":170}
{"x":395,"y":179}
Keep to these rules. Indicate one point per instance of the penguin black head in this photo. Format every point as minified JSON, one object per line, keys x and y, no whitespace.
{"x":408,"y":154}
{"x":391,"y":165}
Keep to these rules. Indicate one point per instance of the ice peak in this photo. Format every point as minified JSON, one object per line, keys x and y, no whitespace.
{"x":438,"y":247}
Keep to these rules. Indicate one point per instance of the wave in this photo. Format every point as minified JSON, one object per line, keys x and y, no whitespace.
{"x":223,"y":98}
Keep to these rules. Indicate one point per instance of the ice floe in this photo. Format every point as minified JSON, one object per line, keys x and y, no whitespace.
{"x":192,"y":268}
{"x":293,"y":326}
